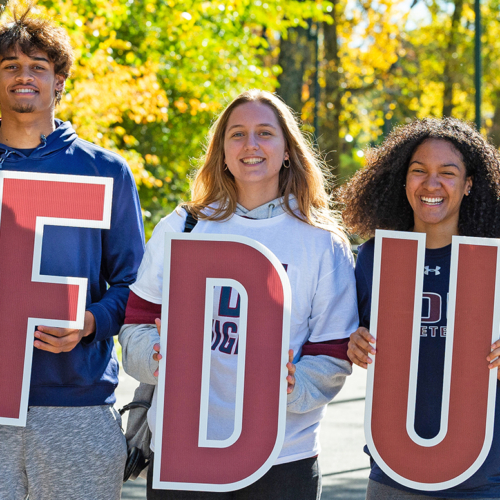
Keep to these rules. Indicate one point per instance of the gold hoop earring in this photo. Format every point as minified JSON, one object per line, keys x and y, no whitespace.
{"x":286,"y":163}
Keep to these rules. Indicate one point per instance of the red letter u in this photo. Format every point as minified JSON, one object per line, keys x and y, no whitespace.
{"x":466,"y":432}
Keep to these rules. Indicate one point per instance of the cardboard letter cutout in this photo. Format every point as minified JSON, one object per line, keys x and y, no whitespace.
{"x":185,"y":459}
{"x":29,"y":202}
{"x":469,"y":387}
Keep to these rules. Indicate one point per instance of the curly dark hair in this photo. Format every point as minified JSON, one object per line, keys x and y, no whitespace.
{"x":28,"y":32}
{"x":375,"y":197}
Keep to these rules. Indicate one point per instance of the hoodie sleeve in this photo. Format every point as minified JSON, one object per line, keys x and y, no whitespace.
{"x":122,"y":251}
{"x":137,"y":343}
{"x":364,"y":273}
{"x":318,"y":379}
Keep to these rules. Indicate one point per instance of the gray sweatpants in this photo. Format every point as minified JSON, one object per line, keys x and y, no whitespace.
{"x":63,"y":453}
{"x":379,"y":491}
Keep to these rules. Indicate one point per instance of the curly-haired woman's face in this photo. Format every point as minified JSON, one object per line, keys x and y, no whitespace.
{"x":436,"y":183}
{"x":254,"y":150}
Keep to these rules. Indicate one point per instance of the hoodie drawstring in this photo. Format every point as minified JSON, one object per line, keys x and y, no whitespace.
{"x":43,"y":140}
{"x":270,"y":211}
{"x":8,"y":152}
{"x":4,"y":156}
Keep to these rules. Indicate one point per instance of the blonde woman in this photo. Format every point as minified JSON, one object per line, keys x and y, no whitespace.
{"x":261,"y":179}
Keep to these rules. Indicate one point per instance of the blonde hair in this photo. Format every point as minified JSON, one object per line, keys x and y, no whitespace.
{"x":214,"y":185}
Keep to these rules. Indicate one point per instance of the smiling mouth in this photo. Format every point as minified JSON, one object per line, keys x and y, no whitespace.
{"x":252,"y":161}
{"x":431,"y":201}
{"x":25,"y":91}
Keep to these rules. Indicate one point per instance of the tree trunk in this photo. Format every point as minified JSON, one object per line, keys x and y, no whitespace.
{"x":329,"y":138}
{"x":450,"y":63}
{"x":294,"y":59}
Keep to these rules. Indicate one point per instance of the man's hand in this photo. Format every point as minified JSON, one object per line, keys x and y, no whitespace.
{"x":51,"y":339}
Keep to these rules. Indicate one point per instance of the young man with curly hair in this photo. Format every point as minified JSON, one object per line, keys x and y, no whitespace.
{"x":72,"y":446}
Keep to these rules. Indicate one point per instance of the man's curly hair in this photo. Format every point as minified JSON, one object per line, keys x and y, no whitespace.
{"x":375,"y":197}
{"x":28,"y":32}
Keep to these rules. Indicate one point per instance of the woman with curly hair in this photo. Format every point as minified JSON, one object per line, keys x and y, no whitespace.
{"x":441,"y":178}
{"x":261,"y":179}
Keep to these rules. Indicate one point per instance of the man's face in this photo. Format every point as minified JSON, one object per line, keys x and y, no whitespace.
{"x":28,"y":84}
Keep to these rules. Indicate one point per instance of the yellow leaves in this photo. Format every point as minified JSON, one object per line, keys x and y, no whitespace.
{"x":119,"y":130}
{"x":136,"y":163}
{"x":195,"y":106}
{"x":392,"y":58}
{"x":130,"y":58}
{"x":468,"y":13}
{"x":305,"y":93}
{"x":102,"y":93}
{"x":96,"y":25}
{"x":130,"y":140}
{"x":429,"y":105}
{"x":152,"y":159}
{"x":414,"y":104}
{"x":120,"y":44}
{"x":181,"y":105}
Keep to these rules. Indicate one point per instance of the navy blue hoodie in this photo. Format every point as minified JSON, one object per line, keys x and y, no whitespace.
{"x":108,"y":258}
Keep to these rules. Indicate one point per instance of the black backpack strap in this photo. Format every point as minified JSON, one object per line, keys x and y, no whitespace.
{"x":190,"y":222}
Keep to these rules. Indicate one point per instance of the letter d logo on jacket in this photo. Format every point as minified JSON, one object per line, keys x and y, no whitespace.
{"x":185,"y":457}
{"x":469,"y":387}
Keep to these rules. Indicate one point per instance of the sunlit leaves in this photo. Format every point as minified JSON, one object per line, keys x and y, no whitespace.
{"x":151,"y":75}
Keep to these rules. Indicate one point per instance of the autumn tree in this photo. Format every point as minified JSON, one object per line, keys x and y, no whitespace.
{"x":150,"y":77}
{"x":359,"y":47}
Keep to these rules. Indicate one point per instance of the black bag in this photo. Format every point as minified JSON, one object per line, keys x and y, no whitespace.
{"x":138,"y":434}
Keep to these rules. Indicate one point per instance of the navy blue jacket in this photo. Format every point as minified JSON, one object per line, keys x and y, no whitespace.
{"x":485,"y":483}
{"x":108,"y":258}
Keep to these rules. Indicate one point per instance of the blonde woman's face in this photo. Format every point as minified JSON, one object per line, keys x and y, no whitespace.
{"x":254,"y":147}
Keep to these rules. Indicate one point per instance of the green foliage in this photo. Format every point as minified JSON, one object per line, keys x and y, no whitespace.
{"x":151,"y":75}
{"x":414,"y":85}
{"x":349,"y":163}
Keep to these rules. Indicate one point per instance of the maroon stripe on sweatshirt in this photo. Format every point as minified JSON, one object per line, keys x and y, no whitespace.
{"x":140,"y":311}
{"x":332,"y":348}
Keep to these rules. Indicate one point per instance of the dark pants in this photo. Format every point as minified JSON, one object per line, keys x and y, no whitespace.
{"x":379,"y":491}
{"x":299,"y":480}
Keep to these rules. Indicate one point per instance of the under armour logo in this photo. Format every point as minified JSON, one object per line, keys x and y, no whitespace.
{"x":428,"y":270}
